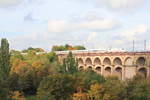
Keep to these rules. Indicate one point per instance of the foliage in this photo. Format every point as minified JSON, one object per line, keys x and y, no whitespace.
{"x":29,"y":83}
{"x":13,"y":82}
{"x":33,"y":49}
{"x":4,"y":91}
{"x":52,"y":57}
{"x":85,"y":79}
{"x":67,"y":47}
{"x":79,"y":47}
{"x":4,"y":59}
{"x":94,"y":92}
{"x":69,"y":64}
{"x":58,"y":87}
{"x":138,"y":88}
{"x":4,"y":70}
{"x":113,"y":89}
{"x":80,"y":96}
{"x":16,"y":95}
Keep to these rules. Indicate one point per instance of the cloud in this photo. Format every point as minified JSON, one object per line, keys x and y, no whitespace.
{"x":134,"y":33}
{"x":124,"y":38}
{"x":126,"y":5}
{"x":119,"y":42}
{"x":60,"y":26}
{"x":23,"y":41}
{"x":92,"y":40}
{"x":9,"y":3}
{"x":92,"y":36}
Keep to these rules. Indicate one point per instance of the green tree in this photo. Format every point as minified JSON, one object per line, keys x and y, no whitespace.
{"x":4,"y":59}
{"x":70,"y":64}
{"x":13,"y":82}
{"x":138,"y":88}
{"x":52,"y":57}
{"x":58,"y":48}
{"x":29,"y":82}
{"x":79,"y":47}
{"x":85,"y":79}
{"x":58,"y":87}
{"x":33,"y":49}
{"x":67,"y":47}
{"x":113,"y":89}
{"x":4,"y":91}
{"x":4,"y":70}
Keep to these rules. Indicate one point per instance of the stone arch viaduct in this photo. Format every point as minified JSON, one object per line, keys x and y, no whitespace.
{"x":121,"y":64}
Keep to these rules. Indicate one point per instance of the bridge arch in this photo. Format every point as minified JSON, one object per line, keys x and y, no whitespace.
{"x":80,"y":61}
{"x":143,"y":72}
{"x":88,"y":61}
{"x":98,"y":69}
{"x":107,"y":71}
{"x":141,"y":61}
{"x":106,"y":61}
{"x":117,"y":61}
{"x":89,"y":68}
{"x":128,"y":61}
{"x":81,"y":68}
{"x":97,"y":61}
{"x":118,"y":72}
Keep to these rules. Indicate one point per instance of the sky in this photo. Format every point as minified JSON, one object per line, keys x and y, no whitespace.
{"x":95,"y":24}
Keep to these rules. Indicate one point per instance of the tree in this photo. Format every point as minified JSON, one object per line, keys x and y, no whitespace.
{"x":52,"y":57}
{"x":33,"y":49}
{"x":4,"y":70}
{"x":13,"y":82}
{"x":85,"y":79}
{"x":4,"y":91}
{"x":70,"y":65}
{"x":138,"y":88}
{"x":58,"y":87}
{"x":58,"y":48}
{"x":4,"y":59}
{"x":94,"y":92}
{"x":113,"y":89}
{"x":67,"y":47}
{"x":29,"y":82}
{"x":79,"y":47}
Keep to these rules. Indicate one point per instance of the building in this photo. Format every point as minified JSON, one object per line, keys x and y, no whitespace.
{"x":118,"y":63}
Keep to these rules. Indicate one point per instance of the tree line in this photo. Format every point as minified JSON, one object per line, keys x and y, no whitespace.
{"x":43,"y":77}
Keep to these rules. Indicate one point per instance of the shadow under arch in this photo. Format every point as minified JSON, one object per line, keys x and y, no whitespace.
{"x":88,"y":61}
{"x":97,"y":61}
{"x":80,"y":61}
{"x":89,"y":68}
{"x":107,"y":61}
{"x":81,"y":68}
{"x":98,"y":69}
{"x":142,"y":72}
{"x":117,"y":61}
{"x":107,"y":71}
{"x":118,"y":72}
{"x":141,"y":61}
